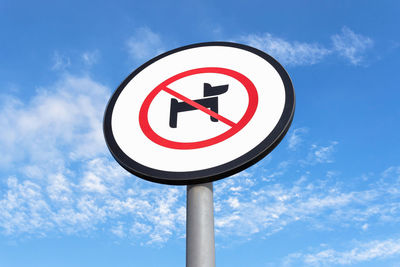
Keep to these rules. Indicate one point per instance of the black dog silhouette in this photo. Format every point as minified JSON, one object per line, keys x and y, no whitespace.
{"x":207,"y":102}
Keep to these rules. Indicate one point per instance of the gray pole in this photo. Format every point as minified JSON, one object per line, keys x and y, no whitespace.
{"x":200,"y":244}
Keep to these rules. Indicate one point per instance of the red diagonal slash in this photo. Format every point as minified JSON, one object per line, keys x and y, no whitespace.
{"x":200,"y":107}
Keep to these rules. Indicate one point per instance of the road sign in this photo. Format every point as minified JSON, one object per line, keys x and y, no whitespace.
{"x":199,"y":113}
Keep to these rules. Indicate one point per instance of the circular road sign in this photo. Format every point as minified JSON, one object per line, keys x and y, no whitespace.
{"x":199,"y":113}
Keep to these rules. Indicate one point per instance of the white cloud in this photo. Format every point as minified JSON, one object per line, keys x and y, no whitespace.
{"x":144,"y":44}
{"x":270,"y":209}
{"x":118,"y":230}
{"x":93,"y":183}
{"x":60,"y":123}
{"x":233,"y":202}
{"x":323,"y":153}
{"x":60,"y":61}
{"x":58,"y":204}
{"x":390,"y":172}
{"x":142,"y":229}
{"x":295,"y":138}
{"x":320,"y":154}
{"x":60,"y":177}
{"x":362,"y":252}
{"x":59,"y":188}
{"x":90,"y":57}
{"x":347,"y":44}
{"x":288,"y":53}
{"x":30,"y":209}
{"x":351,"y":45}
{"x":319,"y":203}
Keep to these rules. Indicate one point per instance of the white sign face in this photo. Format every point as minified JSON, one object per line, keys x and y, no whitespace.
{"x":199,"y":113}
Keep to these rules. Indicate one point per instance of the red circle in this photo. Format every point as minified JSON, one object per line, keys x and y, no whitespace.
{"x":251,"y":109}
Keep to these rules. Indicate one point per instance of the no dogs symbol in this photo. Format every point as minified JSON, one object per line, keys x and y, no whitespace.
{"x":228,"y":102}
{"x":199,"y":113}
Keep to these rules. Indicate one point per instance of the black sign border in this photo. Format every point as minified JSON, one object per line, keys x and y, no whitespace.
{"x":217,"y":172}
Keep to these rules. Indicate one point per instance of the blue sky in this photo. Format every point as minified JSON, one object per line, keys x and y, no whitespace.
{"x":328,"y":195}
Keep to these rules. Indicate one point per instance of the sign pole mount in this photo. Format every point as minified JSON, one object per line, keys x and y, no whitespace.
{"x":200,"y":244}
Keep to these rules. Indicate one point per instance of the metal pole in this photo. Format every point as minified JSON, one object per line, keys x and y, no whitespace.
{"x":200,"y":244}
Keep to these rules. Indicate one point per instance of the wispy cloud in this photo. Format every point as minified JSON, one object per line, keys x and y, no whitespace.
{"x":67,"y":183}
{"x":296,"y":138}
{"x":245,"y":206}
{"x":320,"y":153}
{"x":59,"y":124}
{"x":351,"y":46}
{"x":144,"y":44}
{"x":60,"y":61}
{"x":90,"y":57}
{"x":347,"y":44}
{"x":361,"y":252}
{"x":125,"y":206}
{"x":288,"y":53}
